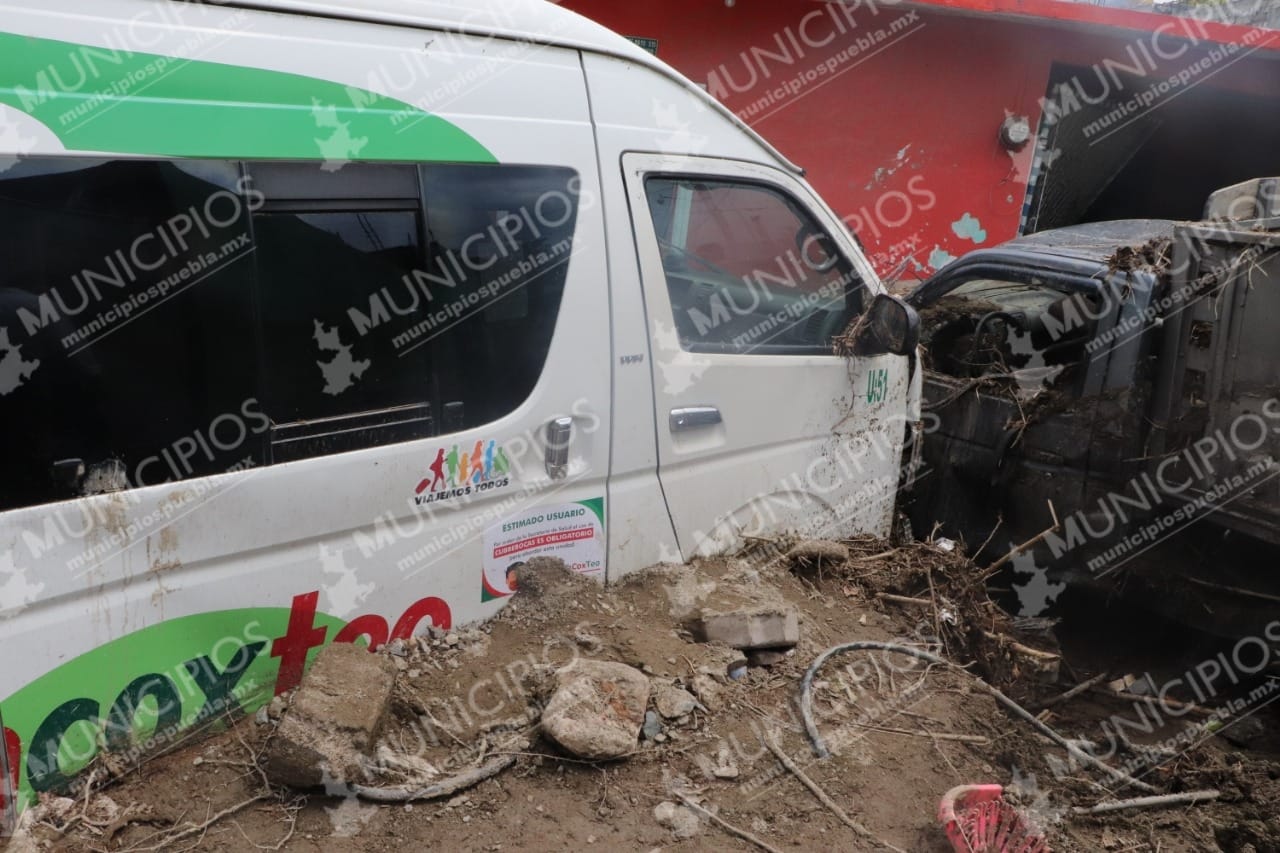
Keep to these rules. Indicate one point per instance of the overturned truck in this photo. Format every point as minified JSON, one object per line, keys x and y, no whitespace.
{"x":1110,"y":393}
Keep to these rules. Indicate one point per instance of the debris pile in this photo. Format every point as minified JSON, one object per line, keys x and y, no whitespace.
{"x":799,"y":696}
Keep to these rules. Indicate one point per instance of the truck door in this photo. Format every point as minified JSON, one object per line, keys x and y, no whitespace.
{"x":761,"y":429}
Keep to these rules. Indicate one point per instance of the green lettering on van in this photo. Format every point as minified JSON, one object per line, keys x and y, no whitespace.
{"x":144,"y":691}
{"x":119,"y":101}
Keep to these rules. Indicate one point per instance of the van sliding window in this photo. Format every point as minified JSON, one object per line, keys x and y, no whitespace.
{"x":748,"y":269}
{"x":326,"y":252}
{"x":168,"y":319}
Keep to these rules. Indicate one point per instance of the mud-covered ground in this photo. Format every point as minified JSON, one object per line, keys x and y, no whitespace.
{"x":905,"y":733}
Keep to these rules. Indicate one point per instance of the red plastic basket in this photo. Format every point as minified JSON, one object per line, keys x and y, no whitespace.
{"x":978,"y":820}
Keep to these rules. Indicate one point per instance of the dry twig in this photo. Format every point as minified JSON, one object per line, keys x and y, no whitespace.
{"x":1074,"y":691}
{"x":978,"y":739}
{"x":725,"y":825}
{"x":444,"y":788}
{"x":200,"y":829}
{"x":820,"y":747}
{"x":822,"y":795}
{"x":1186,"y":798}
{"x":1030,"y":543}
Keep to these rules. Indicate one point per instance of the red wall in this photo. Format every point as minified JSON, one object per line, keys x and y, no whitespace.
{"x":936,"y":93}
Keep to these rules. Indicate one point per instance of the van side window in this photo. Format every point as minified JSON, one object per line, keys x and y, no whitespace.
{"x":162,"y":320}
{"x":500,"y":244}
{"x":332,"y":270}
{"x":748,"y":269}
{"x":126,"y":342}
{"x":382,"y":324}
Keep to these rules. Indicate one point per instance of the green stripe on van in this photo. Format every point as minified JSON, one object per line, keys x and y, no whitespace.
{"x":159,"y":681}
{"x":118,"y":101}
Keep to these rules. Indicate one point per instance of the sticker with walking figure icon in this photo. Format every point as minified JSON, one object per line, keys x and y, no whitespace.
{"x":573,"y":532}
{"x":464,"y":469}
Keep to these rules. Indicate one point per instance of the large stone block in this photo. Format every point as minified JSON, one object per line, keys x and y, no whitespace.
{"x":772,"y":627}
{"x":333,"y":720}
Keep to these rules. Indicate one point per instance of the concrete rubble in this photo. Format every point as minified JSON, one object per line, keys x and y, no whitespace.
{"x":674,"y":702}
{"x":767,"y":627}
{"x":333,"y":720}
{"x":597,"y":709}
{"x":682,"y":821}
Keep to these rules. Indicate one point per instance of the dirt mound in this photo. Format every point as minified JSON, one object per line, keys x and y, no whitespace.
{"x":903,"y":732}
{"x":545,"y":588}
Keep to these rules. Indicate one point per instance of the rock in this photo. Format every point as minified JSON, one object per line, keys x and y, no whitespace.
{"x":1243,"y":732}
{"x":682,"y":821}
{"x":597,"y":708}
{"x":673,"y":702}
{"x":769,"y":627}
{"x":765,"y":657}
{"x":708,"y":691}
{"x":652,"y":725}
{"x":823,"y":553}
{"x":725,"y":767}
{"x":333,"y":720}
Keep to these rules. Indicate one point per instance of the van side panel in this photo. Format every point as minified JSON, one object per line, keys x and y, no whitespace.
{"x":829,"y":468}
{"x":204,"y":80}
{"x":636,"y":109}
{"x":135,"y":615}
{"x":640,"y":527}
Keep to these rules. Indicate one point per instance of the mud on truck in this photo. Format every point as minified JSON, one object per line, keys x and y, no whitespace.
{"x":1110,"y":393}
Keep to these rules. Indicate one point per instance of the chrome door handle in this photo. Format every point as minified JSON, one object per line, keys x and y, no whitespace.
{"x":559,"y":434}
{"x":694,"y":416}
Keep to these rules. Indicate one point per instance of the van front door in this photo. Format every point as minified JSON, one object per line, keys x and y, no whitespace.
{"x":761,"y":428}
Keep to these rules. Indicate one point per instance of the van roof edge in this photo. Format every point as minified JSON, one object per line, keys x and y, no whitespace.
{"x":587,"y":36}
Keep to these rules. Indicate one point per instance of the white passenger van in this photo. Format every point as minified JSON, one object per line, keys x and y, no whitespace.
{"x":319,"y":318}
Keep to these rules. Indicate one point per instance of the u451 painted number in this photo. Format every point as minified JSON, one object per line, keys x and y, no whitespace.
{"x":877,"y":385}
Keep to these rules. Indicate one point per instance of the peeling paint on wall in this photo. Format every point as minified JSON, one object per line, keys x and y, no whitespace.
{"x":939,"y":258}
{"x":968,"y":227}
{"x":884,"y":172}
